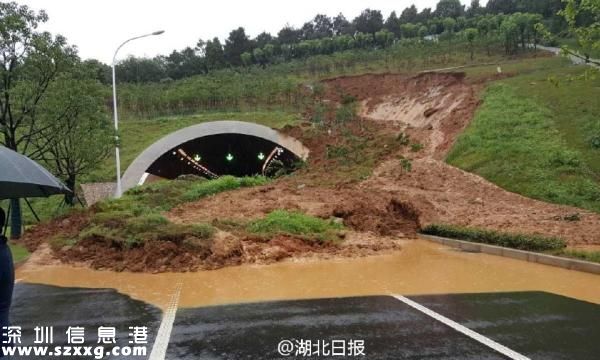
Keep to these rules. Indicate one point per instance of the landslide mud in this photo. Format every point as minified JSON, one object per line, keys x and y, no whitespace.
{"x":386,"y":203}
{"x":420,"y":268}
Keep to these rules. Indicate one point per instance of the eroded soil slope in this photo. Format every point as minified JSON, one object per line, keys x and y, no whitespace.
{"x":432,"y":109}
{"x":382,"y":175}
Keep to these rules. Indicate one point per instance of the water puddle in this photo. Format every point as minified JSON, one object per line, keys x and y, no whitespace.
{"x":420,"y":268}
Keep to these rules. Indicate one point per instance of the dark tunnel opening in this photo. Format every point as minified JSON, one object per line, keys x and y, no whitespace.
{"x":225,"y":154}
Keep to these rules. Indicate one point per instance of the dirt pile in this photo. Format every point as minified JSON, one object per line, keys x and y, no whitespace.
{"x":225,"y":250}
{"x":398,"y":218}
{"x":432,"y":108}
{"x":407,"y":125}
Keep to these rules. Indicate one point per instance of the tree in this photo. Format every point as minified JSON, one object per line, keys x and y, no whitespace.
{"x":101,"y":71}
{"x":449,"y":8}
{"x":425,"y":15}
{"x":213,"y":54}
{"x":471,"y":35}
{"x":409,"y":15}
{"x":263,"y":39}
{"x":475,"y":9}
{"x":236,"y":44}
{"x":449,"y":28}
{"x":29,"y":62}
{"x":392,"y":24}
{"x":75,"y":109}
{"x":369,"y":21}
{"x":384,"y":38}
{"x":409,"y":30}
{"x":289,"y":35}
{"x":322,"y":26}
{"x":140,"y":70}
{"x":501,"y":6}
{"x":184,"y":63}
{"x":588,"y":34}
{"x":341,"y":26}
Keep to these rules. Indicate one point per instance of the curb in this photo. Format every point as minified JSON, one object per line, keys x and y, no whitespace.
{"x":565,"y":263}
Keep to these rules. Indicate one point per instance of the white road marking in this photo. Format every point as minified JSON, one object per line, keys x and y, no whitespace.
{"x":159,"y":349}
{"x":464,"y":330}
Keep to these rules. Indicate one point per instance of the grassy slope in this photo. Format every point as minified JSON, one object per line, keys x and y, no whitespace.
{"x":19,"y":253}
{"x":532,"y":137}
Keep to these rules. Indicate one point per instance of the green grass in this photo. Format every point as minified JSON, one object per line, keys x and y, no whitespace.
{"x":137,"y":217}
{"x":533,"y":138}
{"x":19,"y":252}
{"x":511,"y":240}
{"x":593,"y":256}
{"x":297,"y":224}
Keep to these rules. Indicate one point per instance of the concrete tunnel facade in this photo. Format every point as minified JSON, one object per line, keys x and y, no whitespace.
{"x":138,"y":170}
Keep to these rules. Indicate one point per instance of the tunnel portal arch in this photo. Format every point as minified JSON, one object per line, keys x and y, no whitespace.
{"x":137,"y":171}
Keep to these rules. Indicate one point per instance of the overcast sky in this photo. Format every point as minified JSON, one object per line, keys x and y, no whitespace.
{"x":97,"y":27}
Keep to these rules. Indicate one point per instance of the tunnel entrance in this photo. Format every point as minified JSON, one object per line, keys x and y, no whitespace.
{"x":216,"y":148}
{"x":224,"y":154}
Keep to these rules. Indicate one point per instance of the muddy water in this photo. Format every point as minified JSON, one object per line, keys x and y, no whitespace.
{"x":420,"y":268}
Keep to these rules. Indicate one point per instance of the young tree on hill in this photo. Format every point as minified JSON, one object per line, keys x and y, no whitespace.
{"x":501,"y":6}
{"x":30,"y":63}
{"x":471,"y":36}
{"x":369,"y":21}
{"x":184,"y":63}
{"x":392,"y":24}
{"x":409,"y":15}
{"x":236,"y":44}
{"x":425,"y":15}
{"x":322,"y":26}
{"x":449,"y":8}
{"x":263,"y":39}
{"x":289,"y":35}
{"x":341,"y":26}
{"x":214,"y":57}
{"x":475,"y":9}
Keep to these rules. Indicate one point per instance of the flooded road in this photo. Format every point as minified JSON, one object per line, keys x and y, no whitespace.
{"x":419,"y":268}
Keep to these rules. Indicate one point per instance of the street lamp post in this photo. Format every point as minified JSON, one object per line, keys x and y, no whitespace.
{"x":119,"y":191}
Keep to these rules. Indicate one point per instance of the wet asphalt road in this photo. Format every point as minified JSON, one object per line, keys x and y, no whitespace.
{"x":42,"y":305}
{"x":537,"y":325}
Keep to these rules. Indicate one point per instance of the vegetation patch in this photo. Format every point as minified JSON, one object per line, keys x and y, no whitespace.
{"x":517,"y":141}
{"x":510,"y":240}
{"x":137,"y":218}
{"x":593,"y":256}
{"x":282,"y":222}
{"x":19,"y":252}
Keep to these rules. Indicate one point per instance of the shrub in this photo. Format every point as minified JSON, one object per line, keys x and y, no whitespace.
{"x":295,"y":223}
{"x":345,"y":113}
{"x":511,"y":240}
{"x":403,"y":139}
{"x":593,"y":256}
{"x":416,"y":147}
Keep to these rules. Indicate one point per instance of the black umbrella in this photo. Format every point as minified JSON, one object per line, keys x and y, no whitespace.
{"x":21,"y":177}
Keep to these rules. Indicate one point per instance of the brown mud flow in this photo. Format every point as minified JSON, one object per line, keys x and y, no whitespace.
{"x":420,"y":268}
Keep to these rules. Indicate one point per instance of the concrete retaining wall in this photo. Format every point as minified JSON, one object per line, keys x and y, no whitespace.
{"x":566,"y":263}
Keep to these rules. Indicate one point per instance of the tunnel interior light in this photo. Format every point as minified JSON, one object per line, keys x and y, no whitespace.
{"x":229,"y":157}
{"x":261,"y":156}
{"x":197,"y":157}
